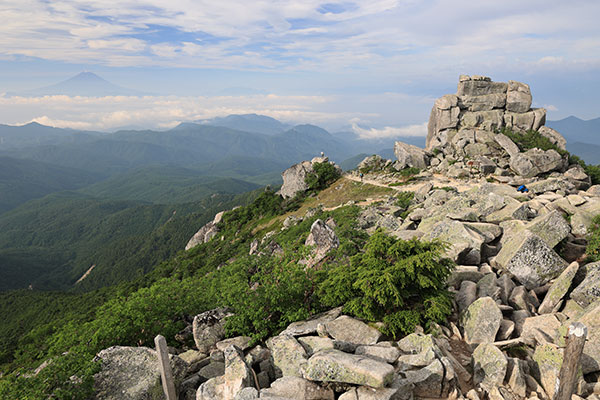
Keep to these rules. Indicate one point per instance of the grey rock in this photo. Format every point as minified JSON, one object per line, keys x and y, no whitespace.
{"x":554,"y":137}
{"x":131,"y":373}
{"x":337,"y":366}
{"x":242,"y":342}
{"x":466,"y":295}
{"x":348,"y":329}
{"x":237,"y":377}
{"x":387,"y":354}
{"x":552,"y":228}
{"x":535,"y":162}
{"x":429,"y":381}
{"x":541,"y":328}
{"x":508,"y":145}
{"x":518,"y":97}
{"x":483,"y":102}
{"x":313,"y":344}
{"x":464,"y":243}
{"x":559,"y":289}
{"x":410,"y":156}
{"x":309,"y":326}
{"x":548,"y":360}
{"x":515,"y":377}
{"x":294,"y":179}
{"x":530,"y":260}
{"x":288,"y":355}
{"x":520,"y":299}
{"x":481,"y":321}
{"x":323,"y":238}
{"x":588,"y":291}
{"x":209,"y":328}
{"x":295,"y":388}
{"x":487,"y":287}
{"x":507,"y":327}
{"x":204,"y":235}
{"x":212,"y":370}
{"x":506,"y":285}
{"x":489,"y":365}
{"x":480,"y":88}
{"x":248,"y":393}
{"x":590,"y":360}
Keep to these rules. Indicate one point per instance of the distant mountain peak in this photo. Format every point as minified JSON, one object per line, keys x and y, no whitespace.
{"x":85,"y":83}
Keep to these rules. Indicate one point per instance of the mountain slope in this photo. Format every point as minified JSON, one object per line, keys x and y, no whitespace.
{"x":578,"y":130}
{"x":249,"y":123}
{"x":165,"y":185}
{"x":83,"y":84}
{"x":23,"y":180}
{"x":50,"y":242}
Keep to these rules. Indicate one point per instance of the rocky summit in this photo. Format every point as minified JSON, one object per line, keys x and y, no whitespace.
{"x":514,"y":219}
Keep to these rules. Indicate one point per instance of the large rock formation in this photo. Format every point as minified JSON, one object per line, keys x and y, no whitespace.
{"x":294,"y":178}
{"x":465,"y":126}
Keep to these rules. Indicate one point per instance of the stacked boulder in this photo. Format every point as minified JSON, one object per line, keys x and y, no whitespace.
{"x":464,"y":131}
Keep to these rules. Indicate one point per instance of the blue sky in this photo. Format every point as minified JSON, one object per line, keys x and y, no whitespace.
{"x":376,"y":64}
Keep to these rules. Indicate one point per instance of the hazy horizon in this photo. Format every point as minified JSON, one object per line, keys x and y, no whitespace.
{"x":374,"y":67}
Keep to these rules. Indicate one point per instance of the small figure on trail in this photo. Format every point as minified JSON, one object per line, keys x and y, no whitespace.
{"x":522,"y":189}
{"x":322,"y":154}
{"x":361,"y":177}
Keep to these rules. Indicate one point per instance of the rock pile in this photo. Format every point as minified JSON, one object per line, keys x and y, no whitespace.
{"x":463,"y":131}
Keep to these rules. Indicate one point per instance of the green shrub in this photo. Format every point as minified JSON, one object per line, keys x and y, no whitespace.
{"x":322,"y":176}
{"x":401,"y":283}
{"x":593,"y":247}
{"x":530,"y":140}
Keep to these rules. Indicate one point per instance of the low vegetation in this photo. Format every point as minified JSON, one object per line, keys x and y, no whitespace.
{"x":533,"y":139}
{"x":593,"y":247}
{"x":378,"y":278}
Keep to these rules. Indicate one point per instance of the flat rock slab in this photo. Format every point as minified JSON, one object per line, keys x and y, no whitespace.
{"x":294,"y":388}
{"x":529,"y":258}
{"x":337,"y":366}
{"x":309,"y":326}
{"x":130,"y":373}
{"x":348,"y":329}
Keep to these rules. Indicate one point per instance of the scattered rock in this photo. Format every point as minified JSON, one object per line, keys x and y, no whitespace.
{"x":209,"y":328}
{"x":530,"y":260}
{"x":131,"y":373}
{"x":348,"y":329}
{"x":481,"y":321}
{"x":337,"y":366}
{"x":489,"y":365}
{"x":288,"y":355}
{"x":559,"y":289}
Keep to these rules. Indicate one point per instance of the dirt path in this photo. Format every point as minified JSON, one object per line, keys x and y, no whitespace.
{"x":437,"y":180}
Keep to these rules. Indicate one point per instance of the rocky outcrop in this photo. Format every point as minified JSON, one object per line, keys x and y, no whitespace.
{"x":323,"y":239}
{"x":294,"y":178}
{"x":209,"y":328}
{"x":206,"y":233}
{"x":465,"y":125}
{"x":132,"y":373}
{"x":410,"y":156}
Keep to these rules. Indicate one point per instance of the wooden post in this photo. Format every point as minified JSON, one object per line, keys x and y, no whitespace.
{"x":166,"y":374}
{"x":567,"y":378}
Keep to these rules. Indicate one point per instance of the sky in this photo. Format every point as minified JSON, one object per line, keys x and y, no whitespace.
{"x":372,"y":66}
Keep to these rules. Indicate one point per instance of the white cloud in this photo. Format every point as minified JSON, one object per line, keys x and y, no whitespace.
{"x":389,"y":132}
{"x":113,"y":112}
{"x":550,"y":107}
